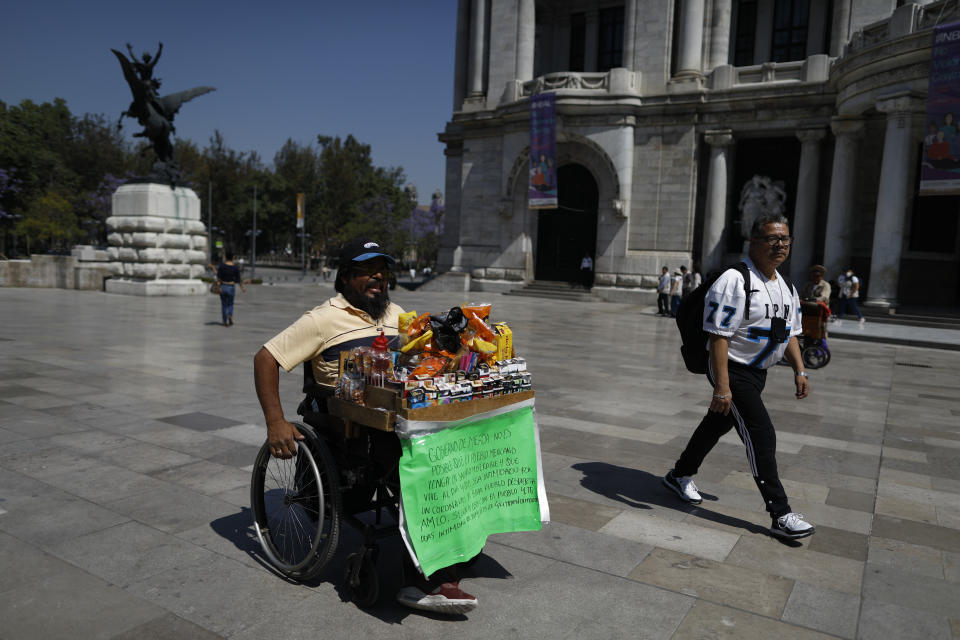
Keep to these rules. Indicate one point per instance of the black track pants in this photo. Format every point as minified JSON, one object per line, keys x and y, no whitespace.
{"x":749,"y":417}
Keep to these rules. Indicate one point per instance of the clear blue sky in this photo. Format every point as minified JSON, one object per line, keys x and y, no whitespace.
{"x":380,"y":70}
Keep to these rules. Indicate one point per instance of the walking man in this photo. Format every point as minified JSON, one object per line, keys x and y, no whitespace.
{"x":743,"y":344}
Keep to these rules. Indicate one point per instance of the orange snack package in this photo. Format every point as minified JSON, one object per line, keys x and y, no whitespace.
{"x":478,"y":325}
{"x":481,"y":310}
{"x":432,"y":365}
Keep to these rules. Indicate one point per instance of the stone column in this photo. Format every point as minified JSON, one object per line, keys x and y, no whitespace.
{"x":477,"y":38}
{"x":805,"y":214}
{"x":893,"y":199}
{"x":691,"y":39}
{"x":720,"y":34}
{"x":839,"y":228}
{"x":840,"y":27}
{"x":715,"y":215}
{"x":526,"y":34}
{"x":460,"y":55}
{"x":629,"y":34}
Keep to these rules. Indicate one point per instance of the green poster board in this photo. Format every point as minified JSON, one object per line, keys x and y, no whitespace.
{"x":462,"y":483}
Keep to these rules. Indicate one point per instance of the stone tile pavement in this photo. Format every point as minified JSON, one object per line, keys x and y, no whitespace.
{"x":129,"y":426}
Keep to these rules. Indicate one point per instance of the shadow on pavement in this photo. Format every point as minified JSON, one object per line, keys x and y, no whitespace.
{"x":640,"y":489}
{"x":238,"y":529}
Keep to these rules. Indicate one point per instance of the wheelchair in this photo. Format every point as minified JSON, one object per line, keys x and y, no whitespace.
{"x":342,"y":470}
{"x":813,"y":342}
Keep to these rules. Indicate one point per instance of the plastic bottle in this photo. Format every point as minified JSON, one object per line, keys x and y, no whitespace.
{"x":350,"y":386}
{"x":380,"y":361}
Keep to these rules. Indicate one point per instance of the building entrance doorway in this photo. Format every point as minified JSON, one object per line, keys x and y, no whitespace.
{"x":566,"y":233}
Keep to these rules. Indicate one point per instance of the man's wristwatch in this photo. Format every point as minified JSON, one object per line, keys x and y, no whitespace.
{"x":801,"y":373}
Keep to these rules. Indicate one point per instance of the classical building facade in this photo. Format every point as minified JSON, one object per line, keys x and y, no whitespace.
{"x":668,"y":109}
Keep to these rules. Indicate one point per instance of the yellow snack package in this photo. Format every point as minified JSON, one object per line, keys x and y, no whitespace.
{"x":404,"y":320}
{"x":482,"y":346}
{"x":417,"y":343}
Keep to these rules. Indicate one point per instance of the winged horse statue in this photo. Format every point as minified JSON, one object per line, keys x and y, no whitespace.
{"x":155,"y":113}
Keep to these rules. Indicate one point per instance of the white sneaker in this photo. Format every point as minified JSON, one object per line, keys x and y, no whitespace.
{"x":446,"y":598}
{"x":861,"y":321}
{"x":792,"y":526}
{"x":683,"y":487}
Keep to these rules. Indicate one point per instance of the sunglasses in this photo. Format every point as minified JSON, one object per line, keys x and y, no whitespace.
{"x":370,"y":268}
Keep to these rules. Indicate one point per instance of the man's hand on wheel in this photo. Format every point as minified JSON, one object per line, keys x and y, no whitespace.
{"x":282,"y":437}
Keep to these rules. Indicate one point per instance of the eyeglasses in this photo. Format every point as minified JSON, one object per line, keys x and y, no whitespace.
{"x":773,"y":240}
{"x":370,"y":268}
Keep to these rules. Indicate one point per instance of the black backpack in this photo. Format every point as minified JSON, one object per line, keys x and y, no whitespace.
{"x":690,"y":317}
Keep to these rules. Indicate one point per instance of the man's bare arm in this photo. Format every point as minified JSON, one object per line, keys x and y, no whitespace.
{"x":795,"y":359}
{"x":281,"y":435}
{"x":722,"y":397}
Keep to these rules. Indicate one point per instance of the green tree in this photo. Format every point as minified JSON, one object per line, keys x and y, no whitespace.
{"x":32,"y":140}
{"x":51,"y":221}
{"x":357,"y":198}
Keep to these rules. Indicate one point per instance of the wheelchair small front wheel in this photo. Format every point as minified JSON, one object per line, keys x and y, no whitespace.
{"x":361,"y":580}
{"x":296,"y":507}
{"x":815,"y":356}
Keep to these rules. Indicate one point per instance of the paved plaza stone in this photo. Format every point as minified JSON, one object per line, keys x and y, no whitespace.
{"x":129,"y":426}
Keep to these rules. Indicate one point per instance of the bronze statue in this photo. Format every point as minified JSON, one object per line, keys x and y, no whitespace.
{"x":154,"y":112}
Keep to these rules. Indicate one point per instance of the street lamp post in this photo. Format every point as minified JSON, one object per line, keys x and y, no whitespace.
{"x":253,"y":239}
{"x":210,"y":220}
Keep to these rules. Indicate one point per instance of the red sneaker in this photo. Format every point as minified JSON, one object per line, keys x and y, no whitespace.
{"x":446,"y":598}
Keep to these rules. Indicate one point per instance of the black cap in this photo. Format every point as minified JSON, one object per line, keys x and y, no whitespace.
{"x":360,"y":249}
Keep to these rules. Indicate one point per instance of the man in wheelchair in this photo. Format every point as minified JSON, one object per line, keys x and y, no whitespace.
{"x":354,"y":317}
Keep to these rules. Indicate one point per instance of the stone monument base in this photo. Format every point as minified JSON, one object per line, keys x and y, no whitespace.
{"x":164,"y":287}
{"x":158,"y":245}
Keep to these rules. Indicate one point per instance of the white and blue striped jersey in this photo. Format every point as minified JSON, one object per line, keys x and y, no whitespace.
{"x":750,"y":338}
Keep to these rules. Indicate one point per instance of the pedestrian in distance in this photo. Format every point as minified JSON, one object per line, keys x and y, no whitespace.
{"x":817,"y":289}
{"x":849,"y":293}
{"x":663,"y":293}
{"x":750,"y":329}
{"x":228,"y":277}
{"x":676,"y":288}
{"x":687,"y":278}
{"x":586,"y":271}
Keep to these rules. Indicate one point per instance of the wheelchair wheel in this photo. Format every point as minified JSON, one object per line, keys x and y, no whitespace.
{"x":361,"y":580}
{"x":815,"y":356}
{"x":296,"y":507}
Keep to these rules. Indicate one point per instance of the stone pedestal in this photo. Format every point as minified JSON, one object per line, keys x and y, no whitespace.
{"x":158,"y":241}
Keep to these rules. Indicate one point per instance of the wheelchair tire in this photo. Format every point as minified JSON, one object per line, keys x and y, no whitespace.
{"x":364,"y":587}
{"x":296,"y":507}
{"x":815,"y":356}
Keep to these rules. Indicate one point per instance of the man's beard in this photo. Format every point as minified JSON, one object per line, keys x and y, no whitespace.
{"x":376,"y":307}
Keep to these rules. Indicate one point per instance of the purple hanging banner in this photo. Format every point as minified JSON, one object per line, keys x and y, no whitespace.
{"x":542,"y":189}
{"x":940,"y":170}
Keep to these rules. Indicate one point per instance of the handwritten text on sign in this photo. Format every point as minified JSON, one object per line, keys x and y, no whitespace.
{"x":461,"y":484}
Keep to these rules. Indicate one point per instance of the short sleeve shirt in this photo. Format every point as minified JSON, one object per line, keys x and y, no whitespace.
{"x":228,"y":273}
{"x":320,"y":334}
{"x":750,"y":340}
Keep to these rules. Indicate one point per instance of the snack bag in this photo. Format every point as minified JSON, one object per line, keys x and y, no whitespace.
{"x":481,"y":310}
{"x":418,"y":343}
{"x":404,"y":320}
{"x":432,"y":366}
{"x":477,"y":324}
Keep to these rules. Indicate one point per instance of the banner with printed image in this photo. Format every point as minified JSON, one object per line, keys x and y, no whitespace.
{"x":940,"y":168}
{"x":542,"y":188}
